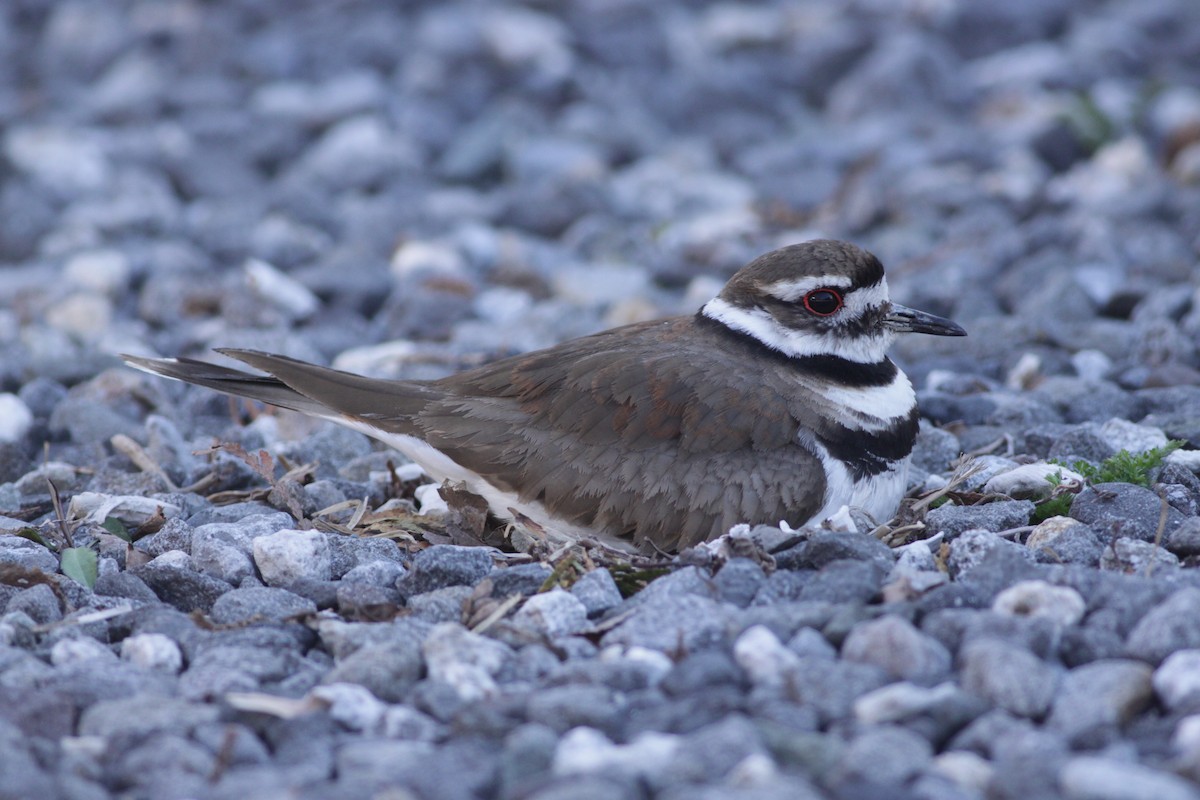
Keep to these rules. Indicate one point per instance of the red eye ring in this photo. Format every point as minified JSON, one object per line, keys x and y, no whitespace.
{"x":823,"y":302}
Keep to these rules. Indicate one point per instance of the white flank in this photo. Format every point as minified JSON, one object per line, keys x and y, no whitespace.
{"x":501,"y":503}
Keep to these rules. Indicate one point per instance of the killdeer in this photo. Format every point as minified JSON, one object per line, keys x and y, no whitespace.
{"x":775,"y":402}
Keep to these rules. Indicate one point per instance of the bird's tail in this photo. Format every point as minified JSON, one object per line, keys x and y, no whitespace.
{"x":297,"y":385}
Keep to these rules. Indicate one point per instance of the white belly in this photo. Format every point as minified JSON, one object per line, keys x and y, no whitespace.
{"x":878,"y":495}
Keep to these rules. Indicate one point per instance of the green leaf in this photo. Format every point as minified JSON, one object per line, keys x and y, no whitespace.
{"x":117,"y":528}
{"x":32,"y":535}
{"x":80,"y":565}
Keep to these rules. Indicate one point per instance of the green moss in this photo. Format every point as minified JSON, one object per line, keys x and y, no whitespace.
{"x":1124,"y":467}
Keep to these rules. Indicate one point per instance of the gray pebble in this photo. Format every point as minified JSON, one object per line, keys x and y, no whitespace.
{"x":259,"y":604}
{"x":884,"y":755}
{"x":894,"y":645}
{"x":1122,"y":509}
{"x":1135,"y":556}
{"x":1009,"y":676}
{"x":825,"y":547}
{"x":180,"y":587}
{"x":29,"y":555}
{"x":672,"y":623}
{"x":39,"y":602}
{"x":1095,"y":701}
{"x":441,"y":605}
{"x":739,"y":580}
{"x":445,"y":565}
{"x":376,"y":573}
{"x":1177,"y":680}
{"x":553,"y":613}
{"x":522,"y":579}
{"x":999,"y":516}
{"x":1171,"y":625}
{"x":597,"y":591}
{"x":1062,"y":540}
{"x":1085,"y":777}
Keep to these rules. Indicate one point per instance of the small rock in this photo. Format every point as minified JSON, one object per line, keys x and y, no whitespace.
{"x":1184,"y":541}
{"x":380,"y":573}
{"x":584,"y":751}
{"x":181,"y":587}
{"x":825,"y":547}
{"x":597,"y":591}
{"x":464,"y":660}
{"x":971,"y":549}
{"x":26,"y":554}
{"x":1061,"y":605}
{"x":223,"y":551}
{"x":553,"y":613}
{"x":15,"y":418}
{"x":1122,"y":434}
{"x":900,"y":701}
{"x":1113,"y":510}
{"x":1062,"y":540}
{"x":286,"y":556}
{"x":672,"y":623}
{"x":739,"y":580}
{"x":73,"y":651}
{"x":1030,"y":481}
{"x":351,"y":705}
{"x":1133,"y":556}
{"x":441,"y":605}
{"x":39,"y":602}
{"x":764,"y":658}
{"x":445,"y":565}
{"x":968,"y":771}
{"x":388,"y":670}
{"x":1096,"y":700}
{"x":1177,"y":681}
{"x":1171,"y":625}
{"x":809,"y":643}
{"x":885,"y":756}
{"x":1091,"y":777}
{"x":893,"y":644}
{"x":366,"y":601}
{"x":999,"y":516}
{"x":153,"y":651}
{"x":523,"y":579}
{"x":1009,"y":676}
{"x":259,"y":604}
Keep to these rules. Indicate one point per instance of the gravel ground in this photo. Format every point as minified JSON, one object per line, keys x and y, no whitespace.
{"x":327,"y":179}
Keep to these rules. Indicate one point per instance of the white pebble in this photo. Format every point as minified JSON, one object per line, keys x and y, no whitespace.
{"x":352,"y":705}
{"x":105,"y":271}
{"x":280,"y":290}
{"x":286,"y":556}
{"x":1061,"y":605}
{"x":153,"y":651}
{"x":15,"y":418}
{"x":764,"y":658}
{"x":73,"y":651}
{"x":1177,"y":679}
{"x":554,"y":613}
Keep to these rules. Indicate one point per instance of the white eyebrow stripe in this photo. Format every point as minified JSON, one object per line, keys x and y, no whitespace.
{"x":790,"y":291}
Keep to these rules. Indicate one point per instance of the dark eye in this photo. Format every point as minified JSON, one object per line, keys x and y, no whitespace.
{"x":822,"y":302}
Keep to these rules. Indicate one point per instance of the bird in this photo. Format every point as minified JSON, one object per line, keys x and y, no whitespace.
{"x":775,"y":403}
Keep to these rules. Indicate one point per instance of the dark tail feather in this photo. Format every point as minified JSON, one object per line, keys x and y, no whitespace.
{"x":301,"y":386}
{"x":230,"y":381}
